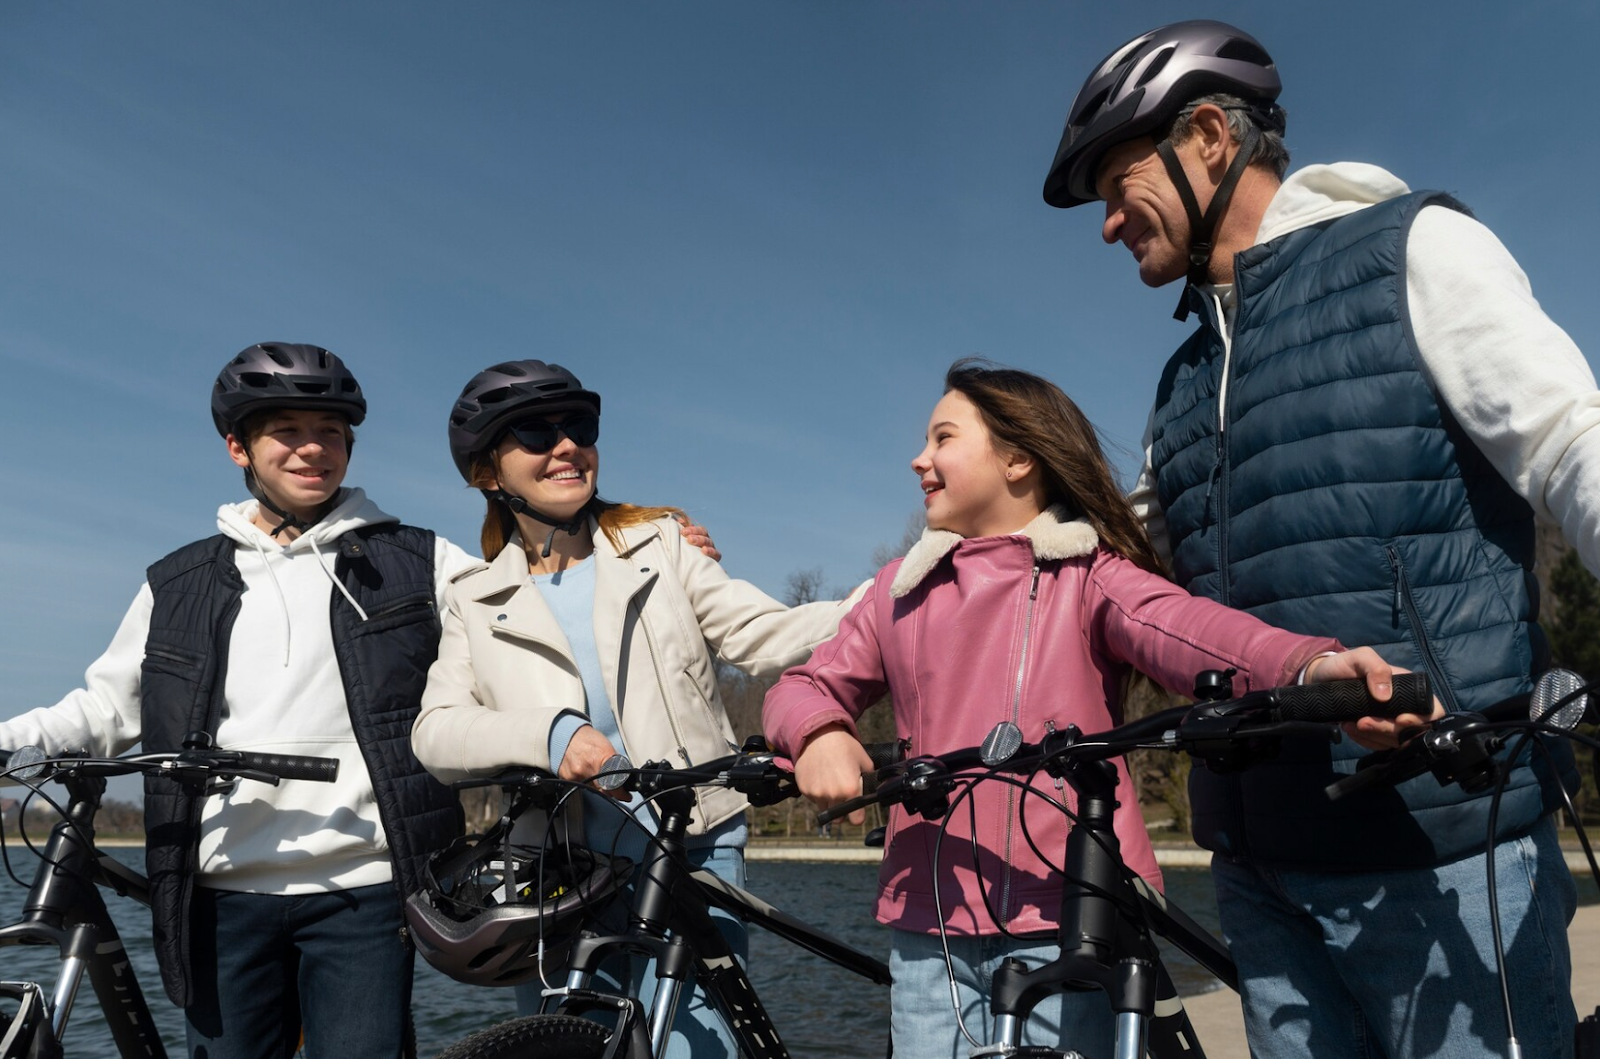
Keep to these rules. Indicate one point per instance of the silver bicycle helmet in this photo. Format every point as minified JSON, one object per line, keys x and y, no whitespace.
{"x":284,"y":375}
{"x":467,"y":922}
{"x":1139,"y":89}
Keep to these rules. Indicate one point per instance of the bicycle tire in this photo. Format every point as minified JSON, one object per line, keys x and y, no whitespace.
{"x":535,"y":1037}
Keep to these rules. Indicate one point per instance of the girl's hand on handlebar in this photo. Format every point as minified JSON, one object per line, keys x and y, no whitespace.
{"x":586,"y":755}
{"x":1374,"y":733}
{"x":829,"y":768}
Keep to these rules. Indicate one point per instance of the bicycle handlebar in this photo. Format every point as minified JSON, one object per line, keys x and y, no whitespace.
{"x":1298,"y":710}
{"x":208,"y":761}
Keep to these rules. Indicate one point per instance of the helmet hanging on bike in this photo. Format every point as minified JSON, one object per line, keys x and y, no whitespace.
{"x":467,"y":922}
{"x":283,"y":375}
{"x":1139,"y":89}
{"x":497,"y":397}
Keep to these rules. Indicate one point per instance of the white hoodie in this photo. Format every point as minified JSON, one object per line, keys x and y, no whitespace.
{"x":282,"y":694}
{"x":1517,"y":384}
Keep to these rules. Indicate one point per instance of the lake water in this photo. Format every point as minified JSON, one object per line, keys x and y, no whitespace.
{"x":820,"y":1010}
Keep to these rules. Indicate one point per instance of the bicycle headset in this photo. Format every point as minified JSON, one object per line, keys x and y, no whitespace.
{"x":1140,"y":89}
{"x":283,"y":375}
{"x":499,"y":396}
{"x":464,"y":926}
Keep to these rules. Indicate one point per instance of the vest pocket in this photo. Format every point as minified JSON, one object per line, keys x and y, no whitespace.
{"x":408,"y":610}
{"x":1405,"y":604}
{"x":167,"y":661}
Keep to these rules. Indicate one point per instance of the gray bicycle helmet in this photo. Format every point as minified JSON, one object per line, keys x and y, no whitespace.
{"x":498,"y":396}
{"x":463,"y":924}
{"x":1139,"y":89}
{"x":284,"y":375}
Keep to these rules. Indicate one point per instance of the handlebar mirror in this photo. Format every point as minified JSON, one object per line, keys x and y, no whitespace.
{"x":614,"y":773}
{"x":1002,"y":742}
{"x":27,"y":763}
{"x":1559,"y":699}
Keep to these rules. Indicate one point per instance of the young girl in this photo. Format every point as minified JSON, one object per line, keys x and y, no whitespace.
{"x":1031,"y":597}
{"x":591,"y":629}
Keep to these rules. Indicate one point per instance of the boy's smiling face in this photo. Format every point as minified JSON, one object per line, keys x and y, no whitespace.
{"x":299,"y":458}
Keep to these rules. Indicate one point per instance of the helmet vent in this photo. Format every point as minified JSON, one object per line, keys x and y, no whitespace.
{"x":1157,"y":64}
{"x":311,"y":387}
{"x":1245,"y":51}
{"x":495,"y":396}
{"x":279,"y":357}
{"x":258,"y":380}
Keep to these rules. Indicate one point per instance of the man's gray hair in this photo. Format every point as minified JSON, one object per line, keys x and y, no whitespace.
{"x":1271,"y":151}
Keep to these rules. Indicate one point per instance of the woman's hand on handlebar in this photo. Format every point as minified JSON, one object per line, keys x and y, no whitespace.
{"x":585,"y":758}
{"x":829,"y":768}
{"x":1374,"y":733}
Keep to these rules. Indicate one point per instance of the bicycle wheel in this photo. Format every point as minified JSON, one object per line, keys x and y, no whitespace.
{"x":533,"y":1037}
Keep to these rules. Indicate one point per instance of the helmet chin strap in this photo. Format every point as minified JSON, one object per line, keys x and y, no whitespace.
{"x":1203,"y":229}
{"x":289,"y":521}
{"x":555,"y":522}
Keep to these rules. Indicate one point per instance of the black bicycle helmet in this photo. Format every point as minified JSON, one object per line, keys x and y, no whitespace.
{"x":496,"y":397}
{"x":1139,"y":89}
{"x":284,"y":375}
{"x":463,"y":924}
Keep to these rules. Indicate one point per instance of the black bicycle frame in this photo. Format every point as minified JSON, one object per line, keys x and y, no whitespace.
{"x":671,"y":922}
{"x":64,"y":909}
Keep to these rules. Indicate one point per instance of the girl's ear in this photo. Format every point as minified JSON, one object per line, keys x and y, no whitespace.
{"x":1018,"y":465}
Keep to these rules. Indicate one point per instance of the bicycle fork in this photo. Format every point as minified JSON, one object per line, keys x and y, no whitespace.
{"x":1100,"y":948}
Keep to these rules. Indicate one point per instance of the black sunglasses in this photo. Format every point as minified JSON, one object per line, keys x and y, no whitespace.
{"x":539,"y":436}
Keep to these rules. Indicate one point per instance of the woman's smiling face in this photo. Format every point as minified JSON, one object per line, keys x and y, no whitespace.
{"x":558,"y":482}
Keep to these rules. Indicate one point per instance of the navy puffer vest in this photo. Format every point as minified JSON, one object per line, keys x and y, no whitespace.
{"x":383,"y":661}
{"x":1341,"y":500}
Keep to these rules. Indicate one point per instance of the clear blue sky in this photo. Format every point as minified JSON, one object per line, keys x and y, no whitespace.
{"x":761,"y":230}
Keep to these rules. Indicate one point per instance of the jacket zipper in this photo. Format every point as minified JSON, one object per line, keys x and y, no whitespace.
{"x":661,"y":688}
{"x":403,"y":605}
{"x":1403,"y":599}
{"x":1223,"y":580}
{"x":1016,"y":715}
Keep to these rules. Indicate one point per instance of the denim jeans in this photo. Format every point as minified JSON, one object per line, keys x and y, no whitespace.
{"x":1401,"y":963}
{"x":265,"y":965}
{"x":923,"y":1020}
{"x":697,"y":1029}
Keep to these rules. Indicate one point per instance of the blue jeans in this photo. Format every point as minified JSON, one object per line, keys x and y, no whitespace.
{"x":697,"y":1029}
{"x":1401,"y":963}
{"x":923,"y":1020}
{"x":265,"y":965}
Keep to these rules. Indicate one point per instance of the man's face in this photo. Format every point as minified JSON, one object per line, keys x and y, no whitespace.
{"x":1143,"y":210}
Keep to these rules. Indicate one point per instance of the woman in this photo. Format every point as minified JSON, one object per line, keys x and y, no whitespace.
{"x":592,"y":628}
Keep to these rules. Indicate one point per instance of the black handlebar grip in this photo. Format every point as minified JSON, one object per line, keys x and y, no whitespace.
{"x":290,"y":767}
{"x":885,"y":754}
{"x":1348,"y":700}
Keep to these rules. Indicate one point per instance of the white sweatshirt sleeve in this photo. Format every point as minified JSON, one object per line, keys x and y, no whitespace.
{"x":1146,"y":504}
{"x":448,"y":561}
{"x":101,"y":717}
{"x":1515,"y":381}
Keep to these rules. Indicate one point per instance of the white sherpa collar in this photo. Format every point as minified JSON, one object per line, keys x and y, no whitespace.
{"x":1050,"y":535}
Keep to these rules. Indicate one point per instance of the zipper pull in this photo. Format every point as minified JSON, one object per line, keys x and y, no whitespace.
{"x":1211,"y":484}
{"x":1033,"y":587}
{"x":1061,"y":783}
{"x":683,"y":753}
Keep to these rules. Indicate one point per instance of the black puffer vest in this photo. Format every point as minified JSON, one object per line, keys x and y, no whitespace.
{"x":384,"y":662}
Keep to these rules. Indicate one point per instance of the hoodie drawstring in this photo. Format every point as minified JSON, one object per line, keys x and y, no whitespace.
{"x":345,"y":592}
{"x":283,"y":601}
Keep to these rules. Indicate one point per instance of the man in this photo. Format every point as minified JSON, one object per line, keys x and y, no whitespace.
{"x":1355,"y":443}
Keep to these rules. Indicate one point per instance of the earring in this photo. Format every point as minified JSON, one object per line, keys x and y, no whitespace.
{"x":1008,"y":476}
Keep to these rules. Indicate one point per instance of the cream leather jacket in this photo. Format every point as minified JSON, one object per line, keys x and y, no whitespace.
{"x":662,"y":611}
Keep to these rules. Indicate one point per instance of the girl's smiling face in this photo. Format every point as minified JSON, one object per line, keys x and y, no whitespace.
{"x":969,"y":488}
{"x":558,"y":482}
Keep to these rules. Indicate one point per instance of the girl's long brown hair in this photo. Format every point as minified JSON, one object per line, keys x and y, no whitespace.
{"x":1029,"y":414}
{"x":499,"y":523}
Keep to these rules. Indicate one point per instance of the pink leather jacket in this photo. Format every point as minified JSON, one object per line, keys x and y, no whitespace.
{"x":1040,"y":628}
